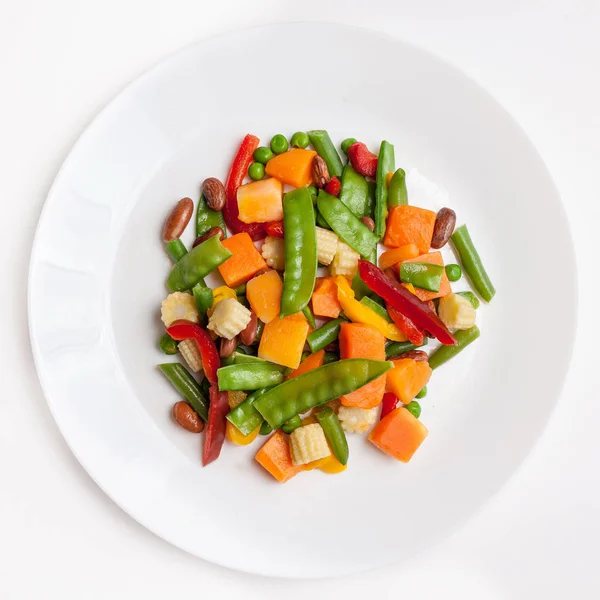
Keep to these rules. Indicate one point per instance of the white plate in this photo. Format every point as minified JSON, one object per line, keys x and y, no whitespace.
{"x":98,"y":269}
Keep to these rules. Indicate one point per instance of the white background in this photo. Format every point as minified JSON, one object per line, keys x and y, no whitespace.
{"x":60,"y":62}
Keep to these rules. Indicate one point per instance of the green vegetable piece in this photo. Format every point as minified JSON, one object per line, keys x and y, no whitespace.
{"x":471,"y":262}
{"x":300,"y":251}
{"x":355,"y":192}
{"x":300,"y":139}
{"x":260,"y":327}
{"x":472,"y":298}
{"x":240,"y":290}
{"x":397,"y":192}
{"x":334,"y":433}
{"x":313,"y":193}
{"x":376,"y":308}
{"x":330,"y":357}
{"x":167,"y":344}
{"x":422,"y":393}
{"x":291,"y":424}
{"x":349,"y":227}
{"x":241,"y":358}
{"x":454,"y":272}
{"x":256,"y":171}
{"x":279,"y":144}
{"x":396,"y":348}
{"x":205,"y":387}
{"x":318,"y":386}
{"x":262,"y":155}
{"x":265,"y":429}
{"x":443,"y":354}
{"x":203,"y":296}
{"x":361,"y":289}
{"x":422,"y":275}
{"x":309,"y":316}
{"x":321,"y":222}
{"x":414,"y":408}
{"x":385,"y":165}
{"x":347,"y":143}
{"x":187,"y":386}
{"x":197,"y":264}
{"x":206,"y":218}
{"x":248,"y":376}
{"x":176,"y":250}
{"x":244,"y":416}
{"x":325,"y":335}
{"x":326,"y":150}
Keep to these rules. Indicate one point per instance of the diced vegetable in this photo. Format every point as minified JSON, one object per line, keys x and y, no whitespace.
{"x":414,"y":334}
{"x":312,"y":361}
{"x":422,"y":275}
{"x":388,"y":404}
{"x":432,"y":258}
{"x":408,"y":378}
{"x":399,"y":434}
{"x":345,"y":261}
{"x":327,"y":244}
{"x":443,"y":354}
{"x":282,"y":340}
{"x":273,"y":251}
{"x":355,"y":419}
{"x":456,"y":312}
{"x":178,"y":306}
{"x":410,"y":225}
{"x":325,"y":302}
{"x":191,"y":355}
{"x":260,"y":201}
{"x":236,"y":398}
{"x":276,"y":458}
{"x":264,"y":295}
{"x":392,"y":257}
{"x":235,"y":436}
{"x":244,"y":263}
{"x":293,"y":167}
{"x":308,"y":443}
{"x":229,"y":318}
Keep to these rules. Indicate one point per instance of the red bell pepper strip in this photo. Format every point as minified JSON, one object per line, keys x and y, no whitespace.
{"x":334,"y":187}
{"x":406,"y":326}
{"x":402,"y":300}
{"x":216,"y":426}
{"x":388,"y":404}
{"x":363,"y":161}
{"x":275,"y":229}
{"x":186,"y":330}
{"x":238,"y":171}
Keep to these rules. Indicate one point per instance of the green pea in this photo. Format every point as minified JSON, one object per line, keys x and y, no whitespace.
{"x":262,"y":155}
{"x":422,"y":393}
{"x":300,"y":139}
{"x":471,"y":297}
{"x":414,"y":408}
{"x":347,"y":143}
{"x":265,"y":429}
{"x":279,"y":144}
{"x":256,"y":171}
{"x":454,"y":272}
{"x":167,"y":344}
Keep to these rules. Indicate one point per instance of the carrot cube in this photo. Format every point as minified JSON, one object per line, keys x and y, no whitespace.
{"x":410,"y":225}
{"x":399,"y":434}
{"x":325,"y":301}
{"x":245,"y":262}
{"x":276,"y":458}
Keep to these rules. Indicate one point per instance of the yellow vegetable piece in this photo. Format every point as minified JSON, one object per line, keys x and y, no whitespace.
{"x":331,"y":465}
{"x":359,"y":313}
{"x":235,"y":436}
{"x":235,"y":399}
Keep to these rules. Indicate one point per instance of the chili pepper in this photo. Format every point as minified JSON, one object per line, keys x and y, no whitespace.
{"x":397,"y":193}
{"x":244,"y":416}
{"x":355,"y":192}
{"x":319,"y":338}
{"x":464,"y":337}
{"x":216,"y":425}
{"x":265,"y":428}
{"x":249,"y":376}
{"x":187,"y":386}
{"x":203,"y":296}
{"x":402,"y":300}
{"x":362,"y":160}
{"x":388,"y":404}
{"x":176,"y":250}
{"x":332,"y":428}
{"x":330,"y":357}
{"x":300,"y":251}
{"x":348,"y":226}
{"x":238,"y":171}
{"x":292,"y":424}
{"x":334,"y":187}
{"x":185,"y":330}
{"x":461,"y":240}
{"x":385,"y":164}
{"x":197,"y":264}
{"x":376,"y":308}
{"x":471,"y":297}
{"x":309,"y":316}
{"x":318,"y":386}
{"x":422,"y":275}
{"x":322,"y":143}
{"x":406,"y":326}
{"x":206,"y":218}
{"x":275,"y":229}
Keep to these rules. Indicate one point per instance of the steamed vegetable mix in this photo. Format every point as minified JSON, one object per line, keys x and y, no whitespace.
{"x":288,"y":328}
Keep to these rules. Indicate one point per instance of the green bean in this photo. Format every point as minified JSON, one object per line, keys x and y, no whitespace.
{"x":385,"y":164}
{"x":330,"y":357}
{"x":203,"y":296}
{"x":325,"y":335}
{"x":397,"y":193}
{"x":322,"y":143}
{"x":291,"y":424}
{"x":396,"y":348}
{"x":187,"y":386}
{"x":309,"y":316}
{"x":240,"y":290}
{"x":443,"y":354}
{"x":248,"y":376}
{"x":334,"y":433}
{"x":167,"y":344}
{"x":176,"y":250}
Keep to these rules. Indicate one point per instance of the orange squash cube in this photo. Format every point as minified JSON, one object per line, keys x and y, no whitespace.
{"x":293,"y":167}
{"x":245,"y":262}
{"x":260,"y":201}
{"x":410,"y":225}
{"x":264,"y":295}
{"x":283,"y":340}
{"x":325,"y":301}
{"x":408,"y":378}
{"x":399,"y":434}
{"x":276,"y":458}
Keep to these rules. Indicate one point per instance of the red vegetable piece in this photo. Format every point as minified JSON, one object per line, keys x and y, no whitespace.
{"x":407,"y":327}
{"x":388,"y":404}
{"x":238,"y":171}
{"x":363,"y":161}
{"x":275,"y":229}
{"x":334,"y":187}
{"x":402,"y":300}
{"x":186,"y":330}
{"x":216,"y":426}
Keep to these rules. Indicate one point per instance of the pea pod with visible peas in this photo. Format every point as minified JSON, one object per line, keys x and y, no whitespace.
{"x":334,"y":433}
{"x":248,"y":376}
{"x":244,"y":416}
{"x":292,"y":424}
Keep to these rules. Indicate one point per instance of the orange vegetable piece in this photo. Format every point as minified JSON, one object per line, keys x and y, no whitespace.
{"x":245,"y":262}
{"x":325,"y":301}
{"x":389,"y":178}
{"x":312,"y":361}
{"x":275,"y":457}
{"x":235,"y":436}
{"x":392,"y":257}
{"x":399,"y":434}
{"x":330,"y":465}
{"x":260,"y":201}
{"x":408,"y":378}
{"x":264,"y":295}
{"x":293,"y":167}
{"x":410,"y":225}
{"x":283,"y":340}
{"x":434,"y":258}
{"x":358,"y":340}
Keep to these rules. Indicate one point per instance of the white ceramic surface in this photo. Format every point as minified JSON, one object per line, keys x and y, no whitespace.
{"x":97,"y":277}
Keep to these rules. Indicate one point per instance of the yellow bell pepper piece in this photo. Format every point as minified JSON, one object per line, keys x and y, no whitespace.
{"x":359,"y":313}
{"x":219,"y":294}
{"x":410,"y":287}
{"x":235,"y":436}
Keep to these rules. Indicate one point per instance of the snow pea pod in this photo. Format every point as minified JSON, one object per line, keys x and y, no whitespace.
{"x":443,"y":354}
{"x":385,"y":164}
{"x":318,"y":386}
{"x":248,"y":376}
{"x":244,"y":416}
{"x":207,"y":218}
{"x":292,"y":424}
{"x":187,"y":386}
{"x":325,"y":335}
{"x":355,"y":192}
{"x":422,"y":275}
{"x":332,"y":428}
{"x":347,"y":225}
{"x":322,"y":143}
{"x":300,"y":251}
{"x":397,"y":192}
{"x":197,"y":264}
{"x":241,"y":358}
